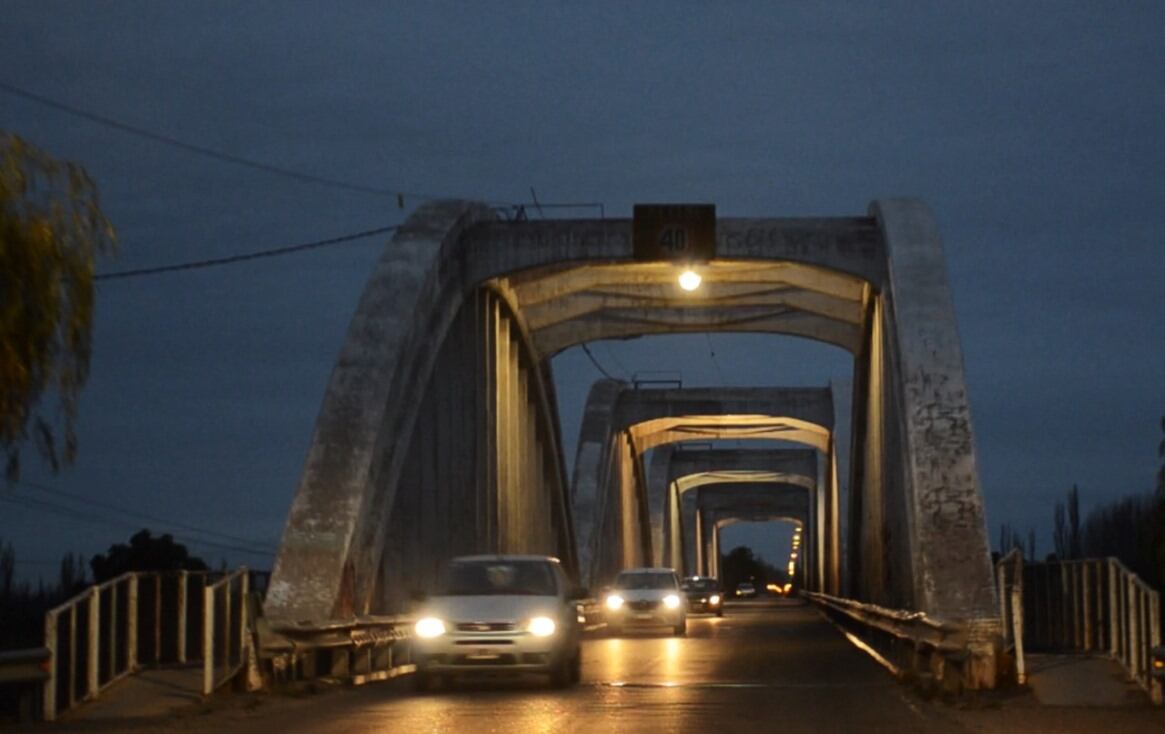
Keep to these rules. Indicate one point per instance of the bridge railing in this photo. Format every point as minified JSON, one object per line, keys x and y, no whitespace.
{"x":119,"y":626}
{"x":1094,"y":605}
{"x":225,"y":629}
{"x":949,"y":654}
{"x":357,"y":651}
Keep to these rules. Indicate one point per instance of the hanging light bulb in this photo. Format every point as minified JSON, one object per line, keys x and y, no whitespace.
{"x":690,"y":280}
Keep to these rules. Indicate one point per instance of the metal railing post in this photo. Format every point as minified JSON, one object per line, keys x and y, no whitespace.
{"x":208,"y":640}
{"x":183,"y":580}
{"x":94,"y":643}
{"x":112,"y":668}
{"x":1086,"y":599}
{"x":1134,"y":628}
{"x":244,"y":588}
{"x":131,"y":629}
{"x":71,"y":668}
{"x":1155,"y":692}
{"x":50,"y":685}
{"x":157,"y":618}
{"x":1017,"y":630}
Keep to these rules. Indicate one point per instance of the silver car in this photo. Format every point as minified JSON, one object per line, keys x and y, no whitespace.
{"x":500,"y":614}
{"x":643,"y":597}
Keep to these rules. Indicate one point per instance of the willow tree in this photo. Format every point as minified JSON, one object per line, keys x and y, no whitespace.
{"x":51,"y":232}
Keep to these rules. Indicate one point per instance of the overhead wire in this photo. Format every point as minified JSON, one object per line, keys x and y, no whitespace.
{"x":303,"y":177}
{"x":218,"y":155}
{"x":596,"y":363}
{"x":715,"y":362}
{"x":73,"y":513}
{"x":135,"y":513}
{"x":243,"y":257}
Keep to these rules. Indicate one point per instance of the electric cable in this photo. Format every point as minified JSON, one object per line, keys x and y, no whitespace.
{"x":136,"y":513}
{"x":212,"y":153}
{"x":595,"y":362}
{"x":231,"y":259}
{"x":74,"y":514}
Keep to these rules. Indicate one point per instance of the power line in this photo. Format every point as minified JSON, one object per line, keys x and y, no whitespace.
{"x":231,"y":259}
{"x":74,"y":514}
{"x":210,"y":152}
{"x":615,"y":358}
{"x":136,"y":513}
{"x":595,"y":362}
{"x":218,"y":155}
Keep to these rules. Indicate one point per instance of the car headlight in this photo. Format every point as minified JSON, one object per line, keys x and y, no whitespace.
{"x":714,"y":599}
{"x":429,"y":627}
{"x":671,"y":601}
{"x":541,"y":626}
{"x":614,"y":602}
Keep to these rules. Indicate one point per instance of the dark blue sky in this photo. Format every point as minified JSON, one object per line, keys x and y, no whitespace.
{"x":1033,"y":130}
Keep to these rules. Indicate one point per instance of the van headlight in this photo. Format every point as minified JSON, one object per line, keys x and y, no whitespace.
{"x":541,"y":626}
{"x":614,"y":602}
{"x":714,"y":599}
{"x":671,"y":601}
{"x":429,"y":627}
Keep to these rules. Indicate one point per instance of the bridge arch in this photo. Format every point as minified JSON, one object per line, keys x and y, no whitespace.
{"x":623,"y":512}
{"x":875,"y":285}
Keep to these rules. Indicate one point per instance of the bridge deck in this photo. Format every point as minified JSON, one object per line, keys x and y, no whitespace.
{"x":763,"y":667}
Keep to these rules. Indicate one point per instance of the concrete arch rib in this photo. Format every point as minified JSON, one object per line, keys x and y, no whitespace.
{"x":369,"y":404}
{"x":914,"y":359}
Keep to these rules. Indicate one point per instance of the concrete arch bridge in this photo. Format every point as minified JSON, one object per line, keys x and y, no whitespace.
{"x":439,"y":430}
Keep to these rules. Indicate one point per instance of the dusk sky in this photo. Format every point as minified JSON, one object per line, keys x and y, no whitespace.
{"x":1033,"y":130}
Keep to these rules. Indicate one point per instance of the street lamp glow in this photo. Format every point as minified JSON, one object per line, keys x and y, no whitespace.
{"x":690,"y":280}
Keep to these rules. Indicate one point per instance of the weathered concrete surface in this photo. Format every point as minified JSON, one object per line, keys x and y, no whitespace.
{"x":931,"y":473}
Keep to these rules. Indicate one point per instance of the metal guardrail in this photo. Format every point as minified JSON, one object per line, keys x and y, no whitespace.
{"x":358,"y":651}
{"x":117,"y":627}
{"x":1095,"y":605}
{"x":913,"y":626}
{"x":952,"y":654}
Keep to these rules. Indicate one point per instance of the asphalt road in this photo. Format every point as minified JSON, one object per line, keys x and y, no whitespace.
{"x":762,"y":667}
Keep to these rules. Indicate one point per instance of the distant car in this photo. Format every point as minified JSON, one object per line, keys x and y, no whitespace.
{"x":745,"y":590}
{"x":499,"y":614}
{"x":704,"y":595}
{"x":646,"y":597}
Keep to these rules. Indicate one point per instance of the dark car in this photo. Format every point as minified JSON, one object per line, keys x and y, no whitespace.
{"x":704,"y":595}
